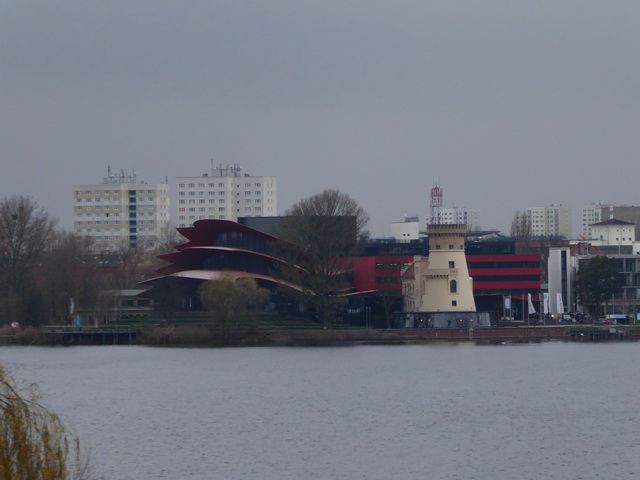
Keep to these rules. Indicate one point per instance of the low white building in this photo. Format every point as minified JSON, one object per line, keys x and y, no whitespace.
{"x":613,"y":232}
{"x":406,"y":231}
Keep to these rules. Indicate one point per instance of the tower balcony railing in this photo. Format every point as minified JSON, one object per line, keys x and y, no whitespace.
{"x":441,"y":272}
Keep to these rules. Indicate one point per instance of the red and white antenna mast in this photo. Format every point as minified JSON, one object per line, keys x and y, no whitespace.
{"x":436,"y":205}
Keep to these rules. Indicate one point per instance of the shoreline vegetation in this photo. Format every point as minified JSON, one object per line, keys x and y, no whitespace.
{"x":35,"y":444}
{"x":302,"y":334}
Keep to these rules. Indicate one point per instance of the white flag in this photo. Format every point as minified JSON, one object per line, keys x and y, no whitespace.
{"x":531,"y":309}
{"x":507,"y":303}
{"x":545,"y":302}
{"x":559,"y":303}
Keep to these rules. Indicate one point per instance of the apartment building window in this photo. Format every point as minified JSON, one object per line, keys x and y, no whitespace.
{"x":192,"y":185}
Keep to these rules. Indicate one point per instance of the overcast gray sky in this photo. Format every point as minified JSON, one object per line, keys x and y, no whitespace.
{"x":505,"y":104}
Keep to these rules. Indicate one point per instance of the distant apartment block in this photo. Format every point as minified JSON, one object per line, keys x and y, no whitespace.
{"x":590,"y":214}
{"x":551,"y":221}
{"x":458,"y":215}
{"x":224,"y":194}
{"x":122,"y":212}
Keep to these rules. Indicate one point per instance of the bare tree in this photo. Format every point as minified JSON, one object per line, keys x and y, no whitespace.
{"x":25,"y":233}
{"x":133,"y":265}
{"x":70,"y":277}
{"x":322,"y":234}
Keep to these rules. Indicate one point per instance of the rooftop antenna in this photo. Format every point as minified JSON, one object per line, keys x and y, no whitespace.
{"x":436,"y":205}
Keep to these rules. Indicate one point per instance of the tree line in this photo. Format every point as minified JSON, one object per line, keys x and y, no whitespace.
{"x":47,"y":273}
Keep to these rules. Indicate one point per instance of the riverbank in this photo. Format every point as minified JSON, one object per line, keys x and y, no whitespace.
{"x":582,"y":333}
{"x":205,"y":337}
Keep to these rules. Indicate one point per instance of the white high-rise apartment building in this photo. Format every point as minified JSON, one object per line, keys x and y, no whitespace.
{"x":458,"y":215}
{"x":590,"y":214}
{"x":551,"y":221}
{"x":226,"y":194}
{"x":122,"y":212}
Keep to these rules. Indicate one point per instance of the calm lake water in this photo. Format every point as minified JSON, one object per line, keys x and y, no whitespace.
{"x":538,"y":411}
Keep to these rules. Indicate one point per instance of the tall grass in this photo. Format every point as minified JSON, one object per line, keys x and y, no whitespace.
{"x":171,"y":335}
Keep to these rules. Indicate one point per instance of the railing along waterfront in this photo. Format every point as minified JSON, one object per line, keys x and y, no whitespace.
{"x":104,"y":335}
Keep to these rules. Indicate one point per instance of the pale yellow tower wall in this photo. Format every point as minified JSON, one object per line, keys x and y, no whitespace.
{"x":445,"y":284}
